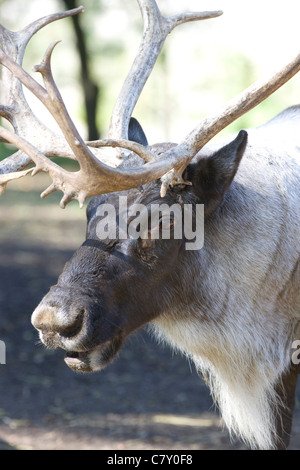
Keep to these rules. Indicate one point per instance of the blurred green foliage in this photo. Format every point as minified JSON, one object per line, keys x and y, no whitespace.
{"x":5,"y":151}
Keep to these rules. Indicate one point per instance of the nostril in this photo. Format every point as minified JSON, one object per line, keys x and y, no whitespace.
{"x":69,"y":331}
{"x":52,"y":321}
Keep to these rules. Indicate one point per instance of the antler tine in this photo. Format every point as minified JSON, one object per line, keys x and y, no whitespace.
{"x":156,"y":29}
{"x":132,"y":146}
{"x":35,"y":26}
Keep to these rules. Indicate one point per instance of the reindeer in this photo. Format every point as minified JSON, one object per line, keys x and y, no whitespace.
{"x":232,"y":306}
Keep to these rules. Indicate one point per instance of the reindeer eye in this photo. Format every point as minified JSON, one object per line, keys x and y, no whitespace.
{"x":146,"y":243}
{"x":94,"y":272}
{"x":144,"y":248}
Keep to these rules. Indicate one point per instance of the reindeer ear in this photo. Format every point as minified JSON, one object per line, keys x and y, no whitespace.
{"x":212,"y":176}
{"x":136,"y":133}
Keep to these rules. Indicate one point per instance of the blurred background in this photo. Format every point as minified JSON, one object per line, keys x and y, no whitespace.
{"x":149,"y":398}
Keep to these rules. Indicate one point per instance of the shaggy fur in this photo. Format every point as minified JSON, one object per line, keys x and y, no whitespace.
{"x":241,"y":324}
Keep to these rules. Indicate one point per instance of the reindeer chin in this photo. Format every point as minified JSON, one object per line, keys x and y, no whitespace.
{"x":94,"y":360}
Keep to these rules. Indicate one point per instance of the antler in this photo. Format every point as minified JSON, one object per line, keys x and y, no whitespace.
{"x":156,"y":29}
{"x":15,"y":107}
{"x":94,"y":177}
{"x":213,"y":124}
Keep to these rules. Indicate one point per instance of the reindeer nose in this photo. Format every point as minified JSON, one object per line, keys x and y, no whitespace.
{"x":52,"y":320}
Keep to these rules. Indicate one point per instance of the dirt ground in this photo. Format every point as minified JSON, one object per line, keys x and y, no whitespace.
{"x":149,"y":398}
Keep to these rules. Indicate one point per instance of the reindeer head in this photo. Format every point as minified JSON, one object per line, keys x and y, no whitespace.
{"x":70,"y":311}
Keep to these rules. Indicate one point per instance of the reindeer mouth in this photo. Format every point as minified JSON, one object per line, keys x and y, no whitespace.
{"x":78,"y":361}
{"x":95,"y":359}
